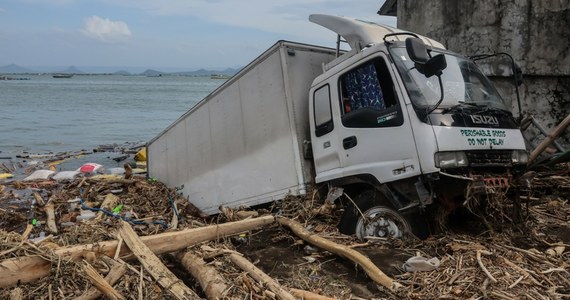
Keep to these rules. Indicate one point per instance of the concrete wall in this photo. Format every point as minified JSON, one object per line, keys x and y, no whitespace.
{"x":535,"y":32}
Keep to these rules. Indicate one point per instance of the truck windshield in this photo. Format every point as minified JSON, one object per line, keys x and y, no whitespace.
{"x":463,"y":83}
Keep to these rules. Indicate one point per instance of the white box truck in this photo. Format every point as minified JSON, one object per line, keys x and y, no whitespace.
{"x":398,"y":122}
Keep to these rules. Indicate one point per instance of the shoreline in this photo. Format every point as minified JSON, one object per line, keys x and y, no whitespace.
{"x":24,"y":163}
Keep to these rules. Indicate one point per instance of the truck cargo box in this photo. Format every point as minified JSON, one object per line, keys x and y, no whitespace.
{"x":243,"y":143}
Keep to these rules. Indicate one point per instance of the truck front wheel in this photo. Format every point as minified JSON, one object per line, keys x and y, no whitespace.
{"x":373,"y":216}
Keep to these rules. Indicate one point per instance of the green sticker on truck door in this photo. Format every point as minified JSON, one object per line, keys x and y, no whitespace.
{"x":388,"y":117}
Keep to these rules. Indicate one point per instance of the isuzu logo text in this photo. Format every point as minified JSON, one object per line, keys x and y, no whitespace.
{"x":487,"y":120}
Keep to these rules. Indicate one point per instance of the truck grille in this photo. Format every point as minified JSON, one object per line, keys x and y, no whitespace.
{"x":486,"y":158}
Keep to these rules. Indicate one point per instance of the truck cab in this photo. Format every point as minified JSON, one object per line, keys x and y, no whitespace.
{"x":402,"y":123}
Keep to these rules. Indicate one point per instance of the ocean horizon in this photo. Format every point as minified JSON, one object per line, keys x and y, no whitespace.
{"x":51,"y":115}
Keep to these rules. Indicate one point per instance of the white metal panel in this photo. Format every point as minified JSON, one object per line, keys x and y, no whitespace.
{"x":242,"y":144}
{"x":360,"y":33}
{"x":388,"y":153}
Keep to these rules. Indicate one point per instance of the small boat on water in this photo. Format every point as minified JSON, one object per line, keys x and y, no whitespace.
{"x":219,"y":76}
{"x":62,"y":75}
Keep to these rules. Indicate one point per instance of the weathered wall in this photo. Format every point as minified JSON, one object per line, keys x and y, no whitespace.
{"x":535,"y":32}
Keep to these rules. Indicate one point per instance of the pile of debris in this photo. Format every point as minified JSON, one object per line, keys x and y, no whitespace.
{"x":134,"y":238}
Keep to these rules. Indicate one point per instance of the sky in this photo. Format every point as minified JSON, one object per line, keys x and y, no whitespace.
{"x":163,"y":34}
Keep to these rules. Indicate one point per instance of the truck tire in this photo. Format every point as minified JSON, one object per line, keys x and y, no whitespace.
{"x":381,"y":219}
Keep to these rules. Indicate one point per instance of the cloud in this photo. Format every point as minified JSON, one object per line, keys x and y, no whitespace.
{"x":284,"y":17}
{"x":106,"y":30}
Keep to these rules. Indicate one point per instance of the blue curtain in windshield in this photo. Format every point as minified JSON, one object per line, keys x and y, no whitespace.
{"x":363,"y":88}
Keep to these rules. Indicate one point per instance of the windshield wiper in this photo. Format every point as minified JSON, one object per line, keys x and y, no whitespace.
{"x":476,"y":108}
{"x":462,"y":106}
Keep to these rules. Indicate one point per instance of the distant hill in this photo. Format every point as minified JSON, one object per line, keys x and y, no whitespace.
{"x":122,"y":72}
{"x":15,"y":69}
{"x":71,"y":70}
{"x":204,"y":72}
{"x":152,"y":73}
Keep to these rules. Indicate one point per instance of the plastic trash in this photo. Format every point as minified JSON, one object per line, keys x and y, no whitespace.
{"x":117,"y":209}
{"x":138,"y":171}
{"x":120,"y":158}
{"x":40,"y":175}
{"x":419,"y":264}
{"x":90,"y":168}
{"x":73,"y":204}
{"x":334,"y":193}
{"x":6,"y":175}
{"x":141,"y":155}
{"x":86,"y":215}
{"x":39,"y":239}
{"x":116,"y":171}
{"x":106,"y":177}
{"x":65,"y":175}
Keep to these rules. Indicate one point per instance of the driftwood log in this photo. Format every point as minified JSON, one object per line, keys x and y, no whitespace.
{"x":100,"y":283}
{"x":154,"y":266}
{"x":367,"y":265}
{"x":550,"y":138}
{"x":212,"y":283}
{"x":117,"y":271}
{"x":50,"y":212}
{"x":33,"y":267}
{"x":261,"y":277}
{"x":108,"y":204}
{"x":16,"y":294}
{"x":306,"y":295}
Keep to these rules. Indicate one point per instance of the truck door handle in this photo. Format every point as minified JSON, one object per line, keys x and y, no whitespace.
{"x":349,"y":142}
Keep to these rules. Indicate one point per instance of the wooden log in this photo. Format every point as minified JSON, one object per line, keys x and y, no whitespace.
{"x":212,"y":283}
{"x":30,"y":268}
{"x":117,"y":271}
{"x":369,"y":267}
{"x":260,"y":276}
{"x":154,"y":266}
{"x":480,"y":262}
{"x":550,"y":138}
{"x":24,"y":238}
{"x":108,"y":203}
{"x":306,"y":295}
{"x":17,"y":294}
{"x":50,"y":212}
{"x":242,"y":214}
{"x":39,"y":199}
{"x":100,"y":283}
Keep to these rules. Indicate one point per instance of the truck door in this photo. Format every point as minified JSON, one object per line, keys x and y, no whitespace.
{"x":376,"y":136}
{"x":324,"y":139}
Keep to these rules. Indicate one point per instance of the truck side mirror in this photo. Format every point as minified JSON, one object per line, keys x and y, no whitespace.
{"x":418,"y":53}
{"x":417,"y":50}
{"x":434,"y":66}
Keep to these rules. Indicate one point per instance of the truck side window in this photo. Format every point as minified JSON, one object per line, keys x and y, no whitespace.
{"x":322,"y":111}
{"x":367,"y":96}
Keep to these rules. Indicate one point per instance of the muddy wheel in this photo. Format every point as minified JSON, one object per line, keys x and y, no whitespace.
{"x":374,"y":217}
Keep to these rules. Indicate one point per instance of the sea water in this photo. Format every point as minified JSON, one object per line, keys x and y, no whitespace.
{"x":45,"y":114}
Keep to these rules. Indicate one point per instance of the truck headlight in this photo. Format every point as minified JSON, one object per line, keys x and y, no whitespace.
{"x":519,"y":157}
{"x":451,"y":159}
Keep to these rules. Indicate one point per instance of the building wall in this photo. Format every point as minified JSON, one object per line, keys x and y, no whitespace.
{"x":535,"y":32}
